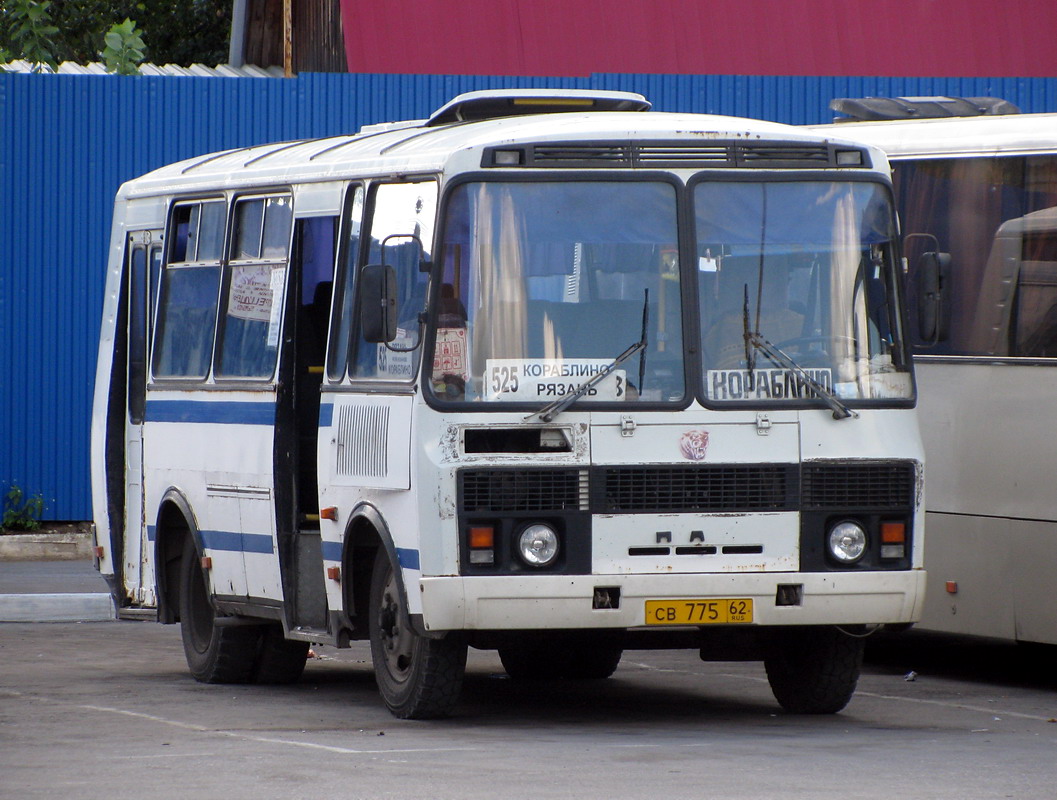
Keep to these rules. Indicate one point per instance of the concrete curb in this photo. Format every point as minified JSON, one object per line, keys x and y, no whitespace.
{"x":45,"y":546}
{"x":68,"y":607}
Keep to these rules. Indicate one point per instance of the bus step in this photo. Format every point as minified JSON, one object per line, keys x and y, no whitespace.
{"x":314,"y":635}
{"x":138,"y":614}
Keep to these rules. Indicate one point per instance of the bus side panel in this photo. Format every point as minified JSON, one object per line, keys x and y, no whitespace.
{"x":364,"y":456}
{"x":991,"y":526}
{"x":223,"y":468}
{"x":975,"y":554}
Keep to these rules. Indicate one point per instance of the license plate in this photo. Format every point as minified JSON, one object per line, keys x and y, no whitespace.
{"x":699,"y":612}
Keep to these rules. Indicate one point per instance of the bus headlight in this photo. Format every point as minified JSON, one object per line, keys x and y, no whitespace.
{"x":847,"y":542}
{"x":537,"y":545}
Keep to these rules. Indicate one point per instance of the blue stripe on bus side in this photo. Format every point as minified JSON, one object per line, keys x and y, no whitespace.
{"x":241,"y":413}
{"x":236,"y":542}
{"x":408,"y":558}
{"x":257,"y":543}
{"x":332,"y":551}
{"x":326,"y":415}
{"x":231,"y":541}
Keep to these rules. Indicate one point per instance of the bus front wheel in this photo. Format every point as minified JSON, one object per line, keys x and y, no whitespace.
{"x":215,"y":653}
{"x":814,"y":670}
{"x":418,"y":677}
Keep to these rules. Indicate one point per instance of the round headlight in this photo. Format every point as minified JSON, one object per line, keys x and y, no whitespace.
{"x":847,"y":542}
{"x":538,"y":545}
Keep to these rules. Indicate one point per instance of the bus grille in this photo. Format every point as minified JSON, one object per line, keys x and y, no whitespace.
{"x":718,"y":487}
{"x":713,"y":488}
{"x":866,"y":485}
{"x":523,"y":490}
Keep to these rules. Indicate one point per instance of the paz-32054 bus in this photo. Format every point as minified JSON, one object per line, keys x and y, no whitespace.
{"x":545,"y":373}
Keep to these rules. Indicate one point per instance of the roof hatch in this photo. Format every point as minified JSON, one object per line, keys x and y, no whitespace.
{"x":878,"y":108}
{"x":490,"y":104}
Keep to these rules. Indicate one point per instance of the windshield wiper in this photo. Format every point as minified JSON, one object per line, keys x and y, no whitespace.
{"x":553,"y":409}
{"x":782,"y":359}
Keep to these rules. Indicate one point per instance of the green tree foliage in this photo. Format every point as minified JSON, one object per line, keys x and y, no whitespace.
{"x":124,"y":49}
{"x":181,"y":32}
{"x":27,"y":31}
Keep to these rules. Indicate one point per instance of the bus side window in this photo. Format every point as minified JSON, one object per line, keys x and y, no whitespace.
{"x":341,"y":332}
{"x":407,"y":213}
{"x":316,"y":239}
{"x":190,"y":285}
{"x":256,"y":278}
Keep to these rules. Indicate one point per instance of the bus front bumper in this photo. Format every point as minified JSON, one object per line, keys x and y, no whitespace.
{"x":541,"y":602}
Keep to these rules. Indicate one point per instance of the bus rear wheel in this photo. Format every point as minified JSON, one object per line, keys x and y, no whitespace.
{"x":280,"y":660}
{"x":814,"y":670}
{"x":418,"y":677}
{"x":215,"y":653}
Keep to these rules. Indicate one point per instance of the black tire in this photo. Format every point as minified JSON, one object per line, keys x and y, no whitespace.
{"x":547,"y":658}
{"x":418,"y":677}
{"x":280,"y":660}
{"x":592,"y":663}
{"x":215,"y":653}
{"x":814,"y":670}
{"x":534,"y":660}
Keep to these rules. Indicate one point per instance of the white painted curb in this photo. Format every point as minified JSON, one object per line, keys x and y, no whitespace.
{"x":68,"y":607}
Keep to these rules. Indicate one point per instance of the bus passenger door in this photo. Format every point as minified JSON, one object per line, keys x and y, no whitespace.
{"x":144,"y":262}
{"x":297,"y":421}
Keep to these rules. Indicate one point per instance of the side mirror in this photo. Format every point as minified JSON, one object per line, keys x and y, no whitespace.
{"x":378,"y":303}
{"x":933,"y":279}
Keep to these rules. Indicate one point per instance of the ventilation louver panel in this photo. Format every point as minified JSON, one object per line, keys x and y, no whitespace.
{"x":362,"y":441}
{"x":707,"y":154}
{"x":581,"y":155}
{"x":785,"y":154}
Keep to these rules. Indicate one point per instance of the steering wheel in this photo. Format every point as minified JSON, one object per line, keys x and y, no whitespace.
{"x":802,"y":346}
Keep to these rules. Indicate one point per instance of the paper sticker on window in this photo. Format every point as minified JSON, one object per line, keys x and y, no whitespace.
{"x":278,"y":279}
{"x":398,"y":363}
{"x":449,"y":357}
{"x":250,"y":294}
{"x":515,"y":379}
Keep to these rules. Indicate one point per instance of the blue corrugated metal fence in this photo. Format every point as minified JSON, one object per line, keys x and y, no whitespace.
{"x":68,"y":142}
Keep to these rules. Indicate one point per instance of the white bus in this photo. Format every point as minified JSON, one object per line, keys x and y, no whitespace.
{"x":546,"y":373}
{"x":978,"y":202}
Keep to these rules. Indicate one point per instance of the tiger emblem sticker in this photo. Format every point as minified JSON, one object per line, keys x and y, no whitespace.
{"x":694,"y":445}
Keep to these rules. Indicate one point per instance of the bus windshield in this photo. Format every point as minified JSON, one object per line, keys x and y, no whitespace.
{"x":546,"y":282}
{"x":804,"y":268}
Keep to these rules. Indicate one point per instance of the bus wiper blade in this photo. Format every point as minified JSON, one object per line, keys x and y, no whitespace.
{"x":553,"y":409}
{"x":840,"y":410}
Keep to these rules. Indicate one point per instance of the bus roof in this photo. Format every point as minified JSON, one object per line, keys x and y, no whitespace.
{"x":1013,"y":134}
{"x":419,"y":147}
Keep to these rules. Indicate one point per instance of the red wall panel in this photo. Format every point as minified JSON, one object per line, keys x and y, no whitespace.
{"x":938,"y":38}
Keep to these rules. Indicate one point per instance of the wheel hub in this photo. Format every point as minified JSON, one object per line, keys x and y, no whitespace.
{"x":397,"y":640}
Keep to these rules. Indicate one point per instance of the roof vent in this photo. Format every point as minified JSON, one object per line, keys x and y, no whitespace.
{"x":474,"y":106}
{"x":887,"y":108}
